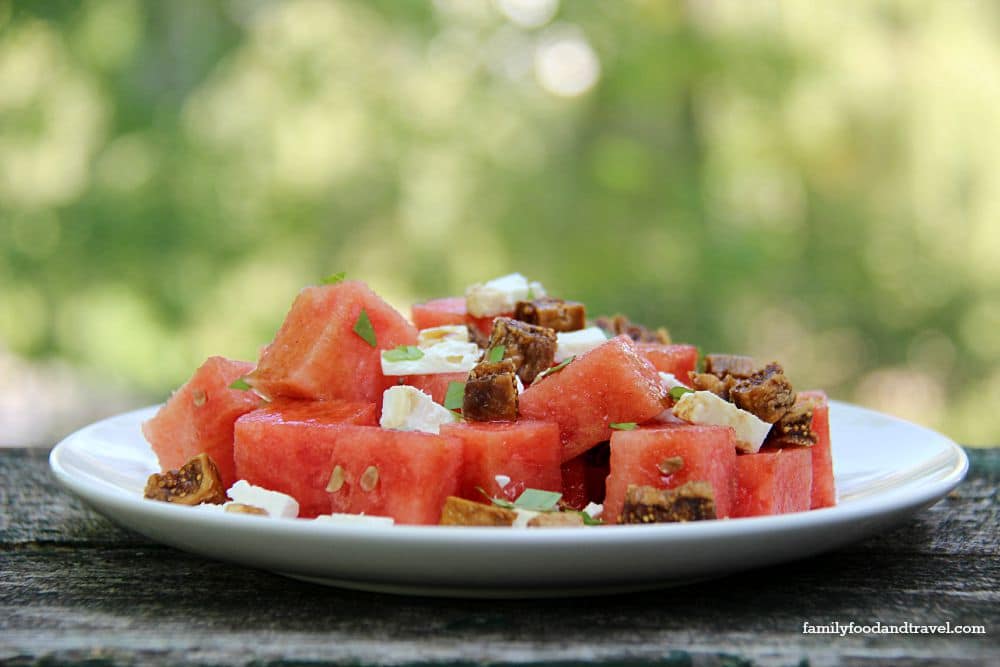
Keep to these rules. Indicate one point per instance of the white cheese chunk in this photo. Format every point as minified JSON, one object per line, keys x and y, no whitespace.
{"x":356,"y":520}
{"x":500,"y":295}
{"x":502,"y":480}
{"x":276,"y":504}
{"x":523,"y":517}
{"x":447,"y":356}
{"x":594,"y":510}
{"x":406,"y":408}
{"x":576,"y":343}
{"x":704,"y":407}
{"x":520,"y":385}
{"x":435,"y":335}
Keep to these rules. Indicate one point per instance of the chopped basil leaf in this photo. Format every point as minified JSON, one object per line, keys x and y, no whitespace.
{"x":496,"y":353}
{"x":455,"y":396}
{"x":334,"y":278}
{"x":363,"y":327}
{"x":537,"y":500}
{"x":623,"y":426}
{"x":499,"y":502}
{"x":677,"y":392}
{"x":590,"y":521}
{"x":555,"y":369}
{"x":241,"y":384}
{"x":403,"y":353}
{"x":531,"y":293}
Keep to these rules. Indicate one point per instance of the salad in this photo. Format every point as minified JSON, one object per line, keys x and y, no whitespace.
{"x":502,"y":407}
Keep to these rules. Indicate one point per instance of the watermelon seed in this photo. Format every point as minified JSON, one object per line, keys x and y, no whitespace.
{"x":369,"y":478}
{"x":199,"y":397}
{"x":670,"y":465}
{"x":336,"y":480}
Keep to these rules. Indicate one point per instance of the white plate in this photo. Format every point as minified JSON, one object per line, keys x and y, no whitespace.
{"x":886,"y":469}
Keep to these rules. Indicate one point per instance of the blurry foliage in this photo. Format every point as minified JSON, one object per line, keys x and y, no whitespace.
{"x":811,"y":182}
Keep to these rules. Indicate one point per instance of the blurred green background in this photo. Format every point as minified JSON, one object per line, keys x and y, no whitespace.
{"x":817,"y":183}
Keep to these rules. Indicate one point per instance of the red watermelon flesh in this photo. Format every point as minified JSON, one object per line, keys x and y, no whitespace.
{"x":438,"y":312}
{"x":574,"y":483}
{"x":526,"y":452}
{"x":773,"y":482}
{"x":824,"y":492}
{"x":679,"y":360}
{"x":484,"y":325}
{"x":286,"y":446}
{"x":434,"y":384}
{"x":611,"y":383}
{"x":708,"y":453}
{"x":406,"y":475}
{"x":317,"y":354}
{"x":199,"y":418}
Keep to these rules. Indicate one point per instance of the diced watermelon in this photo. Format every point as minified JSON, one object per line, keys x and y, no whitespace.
{"x":708,"y":454}
{"x":438,"y":312}
{"x":434,"y":384}
{"x":574,"y":483}
{"x":199,"y":417}
{"x":286,"y":446}
{"x":611,"y":383}
{"x":406,"y":475}
{"x":773,"y":482}
{"x":526,"y":452}
{"x":676,"y":359}
{"x":484,"y":325}
{"x":824,"y":492}
{"x":317,"y":354}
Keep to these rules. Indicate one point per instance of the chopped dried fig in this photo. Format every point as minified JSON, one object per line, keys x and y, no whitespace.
{"x":531,"y":348}
{"x":767,"y":393}
{"x":196,"y":482}
{"x":240,"y":508}
{"x":491,"y":392}
{"x":556,"y":520}
{"x":794,"y":429}
{"x":736,"y":365}
{"x":619,"y":324}
{"x":462,"y":512}
{"x":554,"y":314}
{"x":693,"y":501}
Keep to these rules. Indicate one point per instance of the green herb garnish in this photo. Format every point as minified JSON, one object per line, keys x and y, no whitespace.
{"x":363,"y":327}
{"x":241,"y":384}
{"x":455,"y":396}
{"x":555,"y":369}
{"x":677,"y":392}
{"x":537,"y":500}
{"x":334,"y":278}
{"x":403,"y":353}
{"x":496,"y":353}
{"x":499,"y":502}
{"x":531,"y":293}
{"x":591,"y":521}
{"x":623,"y":426}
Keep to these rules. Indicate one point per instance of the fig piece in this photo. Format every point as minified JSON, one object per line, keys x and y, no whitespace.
{"x":197,"y":482}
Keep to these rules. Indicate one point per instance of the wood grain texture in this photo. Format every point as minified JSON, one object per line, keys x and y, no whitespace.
{"x":78,"y":590}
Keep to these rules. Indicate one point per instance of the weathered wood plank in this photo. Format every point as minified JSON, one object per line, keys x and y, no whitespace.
{"x":78,"y":590}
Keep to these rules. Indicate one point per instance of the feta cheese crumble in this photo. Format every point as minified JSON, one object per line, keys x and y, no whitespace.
{"x":452,"y":332}
{"x":446,"y":356}
{"x":576,"y":343}
{"x":500,"y":295}
{"x":406,"y":408}
{"x":275,"y":503}
{"x":704,"y":407}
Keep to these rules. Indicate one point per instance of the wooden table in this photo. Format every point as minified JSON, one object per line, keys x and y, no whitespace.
{"x":76,"y":589}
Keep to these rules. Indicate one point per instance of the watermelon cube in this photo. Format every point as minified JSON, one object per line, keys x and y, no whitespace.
{"x":438,"y":312}
{"x":678,"y":360}
{"x":318,"y":353}
{"x":773,"y":482}
{"x":585,"y":476}
{"x":286,"y":446}
{"x":611,"y":383}
{"x":824,"y":492}
{"x":199,"y":418}
{"x":644,"y":457}
{"x":522,"y":454}
{"x":434,"y":385}
{"x":406,"y":475}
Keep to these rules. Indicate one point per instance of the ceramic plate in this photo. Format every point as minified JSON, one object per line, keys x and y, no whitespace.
{"x":886,"y":470}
